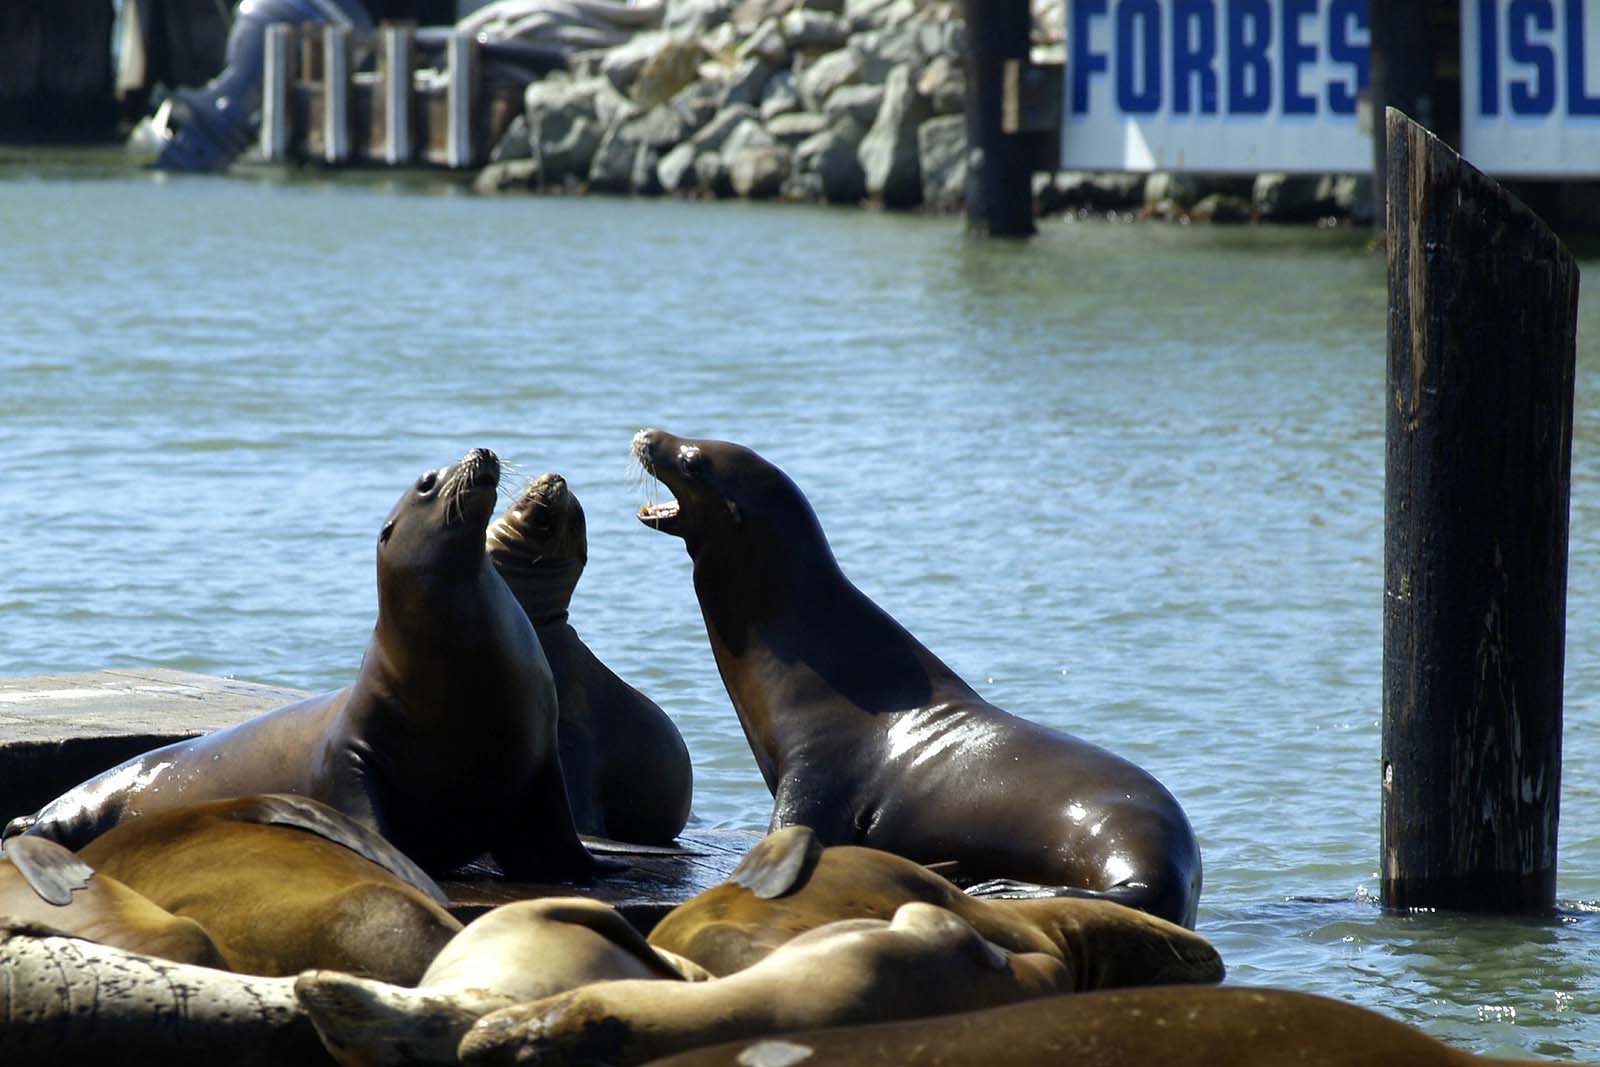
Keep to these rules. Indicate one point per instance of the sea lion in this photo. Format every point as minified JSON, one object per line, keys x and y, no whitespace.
{"x":515,"y":953}
{"x":1226,"y":1026}
{"x":865,"y":736}
{"x":925,"y":961}
{"x":44,"y":883}
{"x":788,"y":884}
{"x":283,"y":884}
{"x":626,"y":767}
{"x":445,"y":744}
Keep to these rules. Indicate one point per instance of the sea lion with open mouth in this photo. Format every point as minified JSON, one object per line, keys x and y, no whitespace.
{"x":868,"y":738}
{"x":626,"y":767}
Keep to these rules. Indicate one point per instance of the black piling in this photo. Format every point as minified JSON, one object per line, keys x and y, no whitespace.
{"x":1000,"y":170}
{"x":1483,"y":303}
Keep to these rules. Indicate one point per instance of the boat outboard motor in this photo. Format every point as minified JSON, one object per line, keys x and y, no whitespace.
{"x":205,"y":129}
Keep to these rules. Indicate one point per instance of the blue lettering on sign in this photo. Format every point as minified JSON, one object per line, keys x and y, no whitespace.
{"x":1342,"y":17}
{"x":1084,"y":62}
{"x":1536,"y":97}
{"x":1141,"y":66}
{"x":1194,"y":56}
{"x":1578,"y":101}
{"x":1296,"y":54}
{"x":1247,"y":55}
{"x":1139,"y":48}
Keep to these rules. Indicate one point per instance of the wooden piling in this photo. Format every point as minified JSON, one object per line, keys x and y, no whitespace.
{"x":395,"y":63}
{"x":1000,"y":171}
{"x":1482,"y":342}
{"x":275,"y":46}
{"x":462,"y":100}
{"x":335,"y":93}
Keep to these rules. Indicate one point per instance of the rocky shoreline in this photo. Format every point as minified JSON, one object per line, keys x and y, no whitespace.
{"x":828,"y":101}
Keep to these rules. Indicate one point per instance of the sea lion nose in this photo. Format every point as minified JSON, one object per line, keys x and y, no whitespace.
{"x":483,"y":460}
{"x":643,"y":441}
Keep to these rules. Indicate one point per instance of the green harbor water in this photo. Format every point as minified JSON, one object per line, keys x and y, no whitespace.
{"x":1126,"y":479}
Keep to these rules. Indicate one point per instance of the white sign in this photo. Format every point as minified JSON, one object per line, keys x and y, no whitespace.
{"x":1216,"y":85}
{"x":1530,"y":86}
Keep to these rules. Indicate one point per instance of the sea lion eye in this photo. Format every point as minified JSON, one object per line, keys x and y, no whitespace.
{"x":426,"y":482}
{"x":690,"y":460}
{"x":388,"y":528}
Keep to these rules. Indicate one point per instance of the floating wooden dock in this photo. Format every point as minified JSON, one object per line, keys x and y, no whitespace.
{"x":58,"y":730}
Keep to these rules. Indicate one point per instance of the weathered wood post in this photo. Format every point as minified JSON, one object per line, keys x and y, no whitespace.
{"x":395,"y":61}
{"x":1483,"y":305}
{"x":335,"y":93}
{"x":462,"y":100}
{"x":275,"y":46}
{"x":999,"y":163}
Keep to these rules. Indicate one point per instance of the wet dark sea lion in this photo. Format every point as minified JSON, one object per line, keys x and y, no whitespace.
{"x":45,"y":883}
{"x":283,"y":884}
{"x":865,"y":736}
{"x":445,"y":744}
{"x":626,"y":767}
{"x":924,"y":961}
{"x":788,"y":884}
{"x":1226,"y":1026}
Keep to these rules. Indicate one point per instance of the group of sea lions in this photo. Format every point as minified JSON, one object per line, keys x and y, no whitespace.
{"x":284,"y":866}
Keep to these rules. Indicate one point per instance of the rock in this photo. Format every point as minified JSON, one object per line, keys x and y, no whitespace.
{"x":612,"y":169}
{"x":748,"y":134}
{"x":508,"y":176}
{"x":883,"y":50}
{"x":832,"y":7}
{"x":711,"y":136}
{"x":813,"y":29}
{"x":618,"y":166}
{"x":643,"y":180}
{"x":1166,"y":193}
{"x":697,"y":103}
{"x":1351,"y":195}
{"x":668,"y":72}
{"x":944,"y":82}
{"x":748,"y":14}
{"x":867,"y":14}
{"x":564,"y":144}
{"x":660,"y":127}
{"x":711,"y":174}
{"x":830,"y":157}
{"x":779,"y":97}
{"x":1287,"y":198}
{"x":692,"y":18}
{"x":748,"y":80}
{"x":758,"y":172}
{"x":1221,"y":207}
{"x":513,"y":144}
{"x":1100,"y":192}
{"x":859,"y":102}
{"x":623,"y":64}
{"x":767,"y":44}
{"x":820,"y":78}
{"x":889,"y":150}
{"x":942,"y":157}
{"x":675,"y":171}
{"x":553,"y":90}
{"x":722,"y":42}
{"x":1047,"y":198}
{"x":797,"y":126}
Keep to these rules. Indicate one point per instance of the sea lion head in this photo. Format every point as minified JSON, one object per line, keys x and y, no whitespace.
{"x":726,"y":497}
{"x":1110,"y":945}
{"x":540,"y":546}
{"x":437,"y":526}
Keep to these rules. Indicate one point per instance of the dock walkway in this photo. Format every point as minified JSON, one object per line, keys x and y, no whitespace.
{"x":58,"y":730}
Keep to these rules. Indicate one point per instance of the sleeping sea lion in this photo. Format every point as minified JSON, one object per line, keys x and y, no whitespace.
{"x":865,"y":736}
{"x":445,"y":744}
{"x":925,"y":961}
{"x":626,"y":767}
{"x":283,"y":884}
{"x":788,"y":884}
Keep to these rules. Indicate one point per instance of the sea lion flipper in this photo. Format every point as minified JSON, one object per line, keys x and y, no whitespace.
{"x":548,"y":846}
{"x":610,"y":924}
{"x":302,"y":813}
{"x":778,"y":863}
{"x":50,"y":870}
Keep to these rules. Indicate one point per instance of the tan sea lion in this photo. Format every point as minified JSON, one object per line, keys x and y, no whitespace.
{"x":512,"y":954}
{"x":865,"y":736}
{"x":43,"y":882}
{"x":926,"y":961}
{"x":788,"y":884}
{"x":626,"y":767}
{"x":283,"y":884}
{"x":1225,"y":1026}
{"x":445,"y":744}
